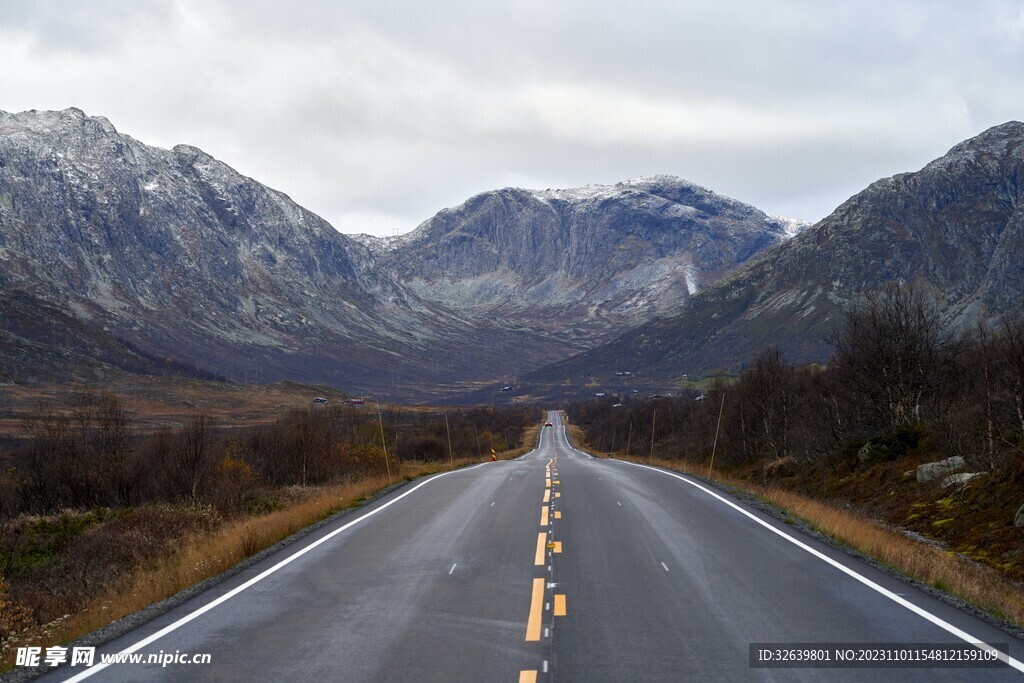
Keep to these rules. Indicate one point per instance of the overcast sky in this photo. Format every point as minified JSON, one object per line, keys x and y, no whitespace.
{"x":378,"y":114}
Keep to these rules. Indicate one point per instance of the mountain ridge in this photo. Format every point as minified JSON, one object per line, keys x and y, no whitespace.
{"x":174,"y":254}
{"x":604,"y":256}
{"x":954,"y":227}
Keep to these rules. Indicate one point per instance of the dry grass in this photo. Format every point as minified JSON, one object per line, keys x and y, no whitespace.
{"x":975,"y":583}
{"x":529,"y":443}
{"x":578,"y":438}
{"x":206,"y":555}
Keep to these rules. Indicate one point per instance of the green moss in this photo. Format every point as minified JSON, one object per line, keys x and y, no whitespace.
{"x":45,"y":542}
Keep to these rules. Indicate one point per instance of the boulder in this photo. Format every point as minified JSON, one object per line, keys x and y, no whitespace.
{"x":961,"y":478}
{"x":1019,"y":519}
{"x":930,"y":471}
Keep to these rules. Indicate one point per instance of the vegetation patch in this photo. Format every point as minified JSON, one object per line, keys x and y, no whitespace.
{"x":840,"y":445}
{"x":100,"y":520}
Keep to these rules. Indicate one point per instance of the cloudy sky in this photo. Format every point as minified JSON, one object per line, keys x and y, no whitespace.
{"x":377,"y":114}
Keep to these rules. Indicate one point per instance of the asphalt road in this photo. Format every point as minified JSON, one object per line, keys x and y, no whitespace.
{"x":556,"y":566}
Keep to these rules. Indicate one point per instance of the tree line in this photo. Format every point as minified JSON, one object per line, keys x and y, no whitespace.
{"x":901,"y":377}
{"x":89,"y":454}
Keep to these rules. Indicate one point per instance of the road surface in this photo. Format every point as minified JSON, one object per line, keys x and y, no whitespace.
{"x":556,"y":566}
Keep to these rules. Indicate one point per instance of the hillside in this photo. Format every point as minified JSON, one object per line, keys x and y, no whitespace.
{"x":158,"y":261}
{"x":582,"y":263}
{"x":955,"y":227}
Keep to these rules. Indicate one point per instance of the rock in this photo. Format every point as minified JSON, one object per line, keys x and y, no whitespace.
{"x":866,"y":452}
{"x":961,"y":478}
{"x":1019,"y":519}
{"x":930,"y":471}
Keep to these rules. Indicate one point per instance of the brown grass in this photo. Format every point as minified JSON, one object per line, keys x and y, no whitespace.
{"x":980,"y":585}
{"x":529,"y":443}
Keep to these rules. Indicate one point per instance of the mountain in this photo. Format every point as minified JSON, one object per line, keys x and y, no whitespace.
{"x":582,"y":263}
{"x":177,"y":256}
{"x":115,"y":255}
{"x":955,"y":227}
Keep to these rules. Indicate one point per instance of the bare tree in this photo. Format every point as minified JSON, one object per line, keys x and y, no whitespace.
{"x":891,"y":354}
{"x":1013,"y":352}
{"x":767,"y":384}
{"x":192,"y":457}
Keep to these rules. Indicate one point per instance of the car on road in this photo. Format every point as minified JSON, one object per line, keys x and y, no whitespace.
{"x":547,"y":424}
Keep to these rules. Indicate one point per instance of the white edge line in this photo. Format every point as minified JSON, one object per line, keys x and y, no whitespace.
{"x":938,"y":621}
{"x":259,"y":577}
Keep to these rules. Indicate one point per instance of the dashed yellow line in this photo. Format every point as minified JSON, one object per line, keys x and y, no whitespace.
{"x":558,"y":514}
{"x":536,"y":611}
{"x":557,"y":546}
{"x":547,"y":483}
{"x":544,"y":516}
{"x":538,"y":557}
{"x":527,"y":677}
{"x":547,"y":495}
{"x":557,"y":494}
{"x":559,"y":604}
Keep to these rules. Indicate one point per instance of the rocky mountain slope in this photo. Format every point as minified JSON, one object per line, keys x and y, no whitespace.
{"x":589,"y":261}
{"x":153,"y":260}
{"x":186,"y":260}
{"x":956,"y":227}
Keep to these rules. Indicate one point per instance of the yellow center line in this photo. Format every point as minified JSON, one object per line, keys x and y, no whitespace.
{"x":527,"y":677}
{"x":538,"y":558}
{"x":547,"y":483}
{"x":559,"y":604}
{"x":536,"y":611}
{"x":547,"y":495}
{"x":544,"y":516}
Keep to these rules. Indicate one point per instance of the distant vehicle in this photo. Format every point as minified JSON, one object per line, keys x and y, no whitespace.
{"x":319,"y":400}
{"x":601,"y":395}
{"x":506,"y":388}
{"x":547,"y":424}
{"x":356,"y":401}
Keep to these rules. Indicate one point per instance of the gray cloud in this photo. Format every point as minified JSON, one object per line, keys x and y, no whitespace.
{"x":377,"y":114}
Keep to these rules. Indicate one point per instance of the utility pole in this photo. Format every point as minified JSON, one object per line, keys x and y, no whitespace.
{"x":654,"y":419}
{"x":451,"y":456}
{"x":714,"y":446}
{"x":629,"y":438}
{"x":383,"y":443}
